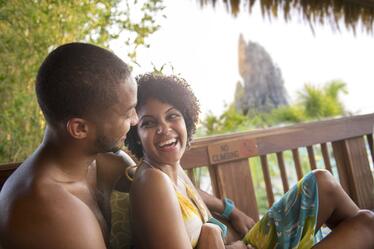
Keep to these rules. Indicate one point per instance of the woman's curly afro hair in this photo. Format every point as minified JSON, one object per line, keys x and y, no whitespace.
{"x":168,"y":89}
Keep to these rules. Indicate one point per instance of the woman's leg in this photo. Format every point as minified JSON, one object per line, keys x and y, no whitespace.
{"x":351,"y":228}
{"x":334,"y":203}
{"x":356,"y":232}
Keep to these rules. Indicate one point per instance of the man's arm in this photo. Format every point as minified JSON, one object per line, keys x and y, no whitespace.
{"x":239,"y":220}
{"x":111,"y":170}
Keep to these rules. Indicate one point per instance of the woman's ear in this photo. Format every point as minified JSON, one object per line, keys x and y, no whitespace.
{"x":77,"y":128}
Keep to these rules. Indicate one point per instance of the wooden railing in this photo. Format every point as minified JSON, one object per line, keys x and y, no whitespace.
{"x":343,"y":142}
{"x":6,"y":170}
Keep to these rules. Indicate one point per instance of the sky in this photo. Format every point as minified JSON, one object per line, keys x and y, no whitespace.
{"x":201,"y":45}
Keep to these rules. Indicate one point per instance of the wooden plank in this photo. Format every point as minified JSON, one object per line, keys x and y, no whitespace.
{"x":6,"y":170}
{"x":371,"y":145}
{"x":235,"y":182}
{"x":274,"y":140}
{"x":283,"y":171}
{"x":214,"y":181}
{"x":311,"y":156}
{"x":339,"y":149}
{"x":354,"y":171}
{"x":191,"y":175}
{"x":231,"y":150}
{"x":326,"y":158}
{"x":195,"y":157}
{"x":269,"y":188}
{"x":296,"y":160}
{"x":302,"y":134}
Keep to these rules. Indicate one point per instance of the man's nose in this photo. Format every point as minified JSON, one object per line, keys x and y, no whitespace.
{"x":134,"y":119}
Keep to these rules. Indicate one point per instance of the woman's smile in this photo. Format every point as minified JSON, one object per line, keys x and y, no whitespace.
{"x":162,"y":132}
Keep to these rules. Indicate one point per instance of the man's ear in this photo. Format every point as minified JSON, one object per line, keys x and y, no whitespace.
{"x":77,"y":128}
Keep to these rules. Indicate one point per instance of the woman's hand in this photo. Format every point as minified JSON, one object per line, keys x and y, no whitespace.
{"x":241,"y":222}
{"x":238,"y":245}
{"x":210,"y":237}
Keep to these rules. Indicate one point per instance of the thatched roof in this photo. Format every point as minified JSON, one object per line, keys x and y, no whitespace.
{"x":332,"y":12}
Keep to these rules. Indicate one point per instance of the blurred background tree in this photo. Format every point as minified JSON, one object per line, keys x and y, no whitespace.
{"x":30,"y":29}
{"x":313,"y":103}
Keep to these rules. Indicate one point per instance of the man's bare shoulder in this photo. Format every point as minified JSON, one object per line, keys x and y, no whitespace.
{"x":119,"y":159}
{"x":111,"y":169}
{"x":42,"y":214}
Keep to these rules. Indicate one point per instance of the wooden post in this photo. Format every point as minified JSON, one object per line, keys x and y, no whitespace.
{"x":371,"y":145}
{"x":283,"y":171}
{"x":267,"y":179}
{"x":191,"y":175}
{"x":354,"y":170}
{"x":6,"y":170}
{"x":312,"y":159}
{"x":326,"y":157}
{"x":235,"y":182}
{"x":214,"y":181}
{"x":296,"y":159}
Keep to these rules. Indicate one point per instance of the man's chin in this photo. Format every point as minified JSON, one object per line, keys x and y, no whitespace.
{"x":116,"y":148}
{"x":103,"y":147}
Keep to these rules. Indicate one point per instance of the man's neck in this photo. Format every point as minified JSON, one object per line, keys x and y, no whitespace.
{"x":68,"y":156}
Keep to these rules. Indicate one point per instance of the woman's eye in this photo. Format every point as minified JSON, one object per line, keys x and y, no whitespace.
{"x":174,"y":116}
{"x":147,"y":123}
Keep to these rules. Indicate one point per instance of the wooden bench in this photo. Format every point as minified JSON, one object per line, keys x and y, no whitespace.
{"x":346,"y":143}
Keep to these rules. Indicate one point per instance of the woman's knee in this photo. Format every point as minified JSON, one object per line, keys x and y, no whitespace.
{"x":365,"y":218}
{"x":326,"y":181}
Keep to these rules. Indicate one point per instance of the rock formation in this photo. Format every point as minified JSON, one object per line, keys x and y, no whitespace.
{"x":263,"y":87}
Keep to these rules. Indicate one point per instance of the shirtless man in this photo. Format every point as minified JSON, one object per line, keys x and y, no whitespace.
{"x":59,"y":197}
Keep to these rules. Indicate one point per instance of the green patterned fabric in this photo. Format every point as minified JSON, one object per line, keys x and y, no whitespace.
{"x":291,"y":222}
{"x":121,"y":236}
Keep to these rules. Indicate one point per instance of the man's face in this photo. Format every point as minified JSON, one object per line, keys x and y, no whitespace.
{"x":117,"y":120}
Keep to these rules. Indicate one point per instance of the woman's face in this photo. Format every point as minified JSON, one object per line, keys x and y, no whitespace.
{"x":162,"y":132}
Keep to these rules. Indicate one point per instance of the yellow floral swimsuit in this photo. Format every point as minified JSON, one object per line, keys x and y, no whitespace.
{"x":193,"y":211}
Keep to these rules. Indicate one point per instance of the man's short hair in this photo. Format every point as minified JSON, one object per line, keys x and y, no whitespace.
{"x":78,"y":80}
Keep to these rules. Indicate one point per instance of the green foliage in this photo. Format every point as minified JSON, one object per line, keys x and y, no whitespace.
{"x":323,"y":102}
{"x":30,"y":29}
{"x":289,"y":114}
{"x":313,"y":103}
{"x":229,"y":121}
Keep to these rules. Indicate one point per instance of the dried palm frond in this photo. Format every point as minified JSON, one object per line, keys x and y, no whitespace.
{"x":333,"y":12}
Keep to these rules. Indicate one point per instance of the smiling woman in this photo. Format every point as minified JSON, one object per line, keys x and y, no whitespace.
{"x":161,"y":193}
{"x":169,"y":212}
{"x":167,"y":89}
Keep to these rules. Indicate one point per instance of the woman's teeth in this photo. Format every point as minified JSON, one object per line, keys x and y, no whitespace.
{"x":168,"y":142}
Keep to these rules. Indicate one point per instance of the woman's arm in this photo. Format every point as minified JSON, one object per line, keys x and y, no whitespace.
{"x":157,"y":219}
{"x":239,"y":220}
